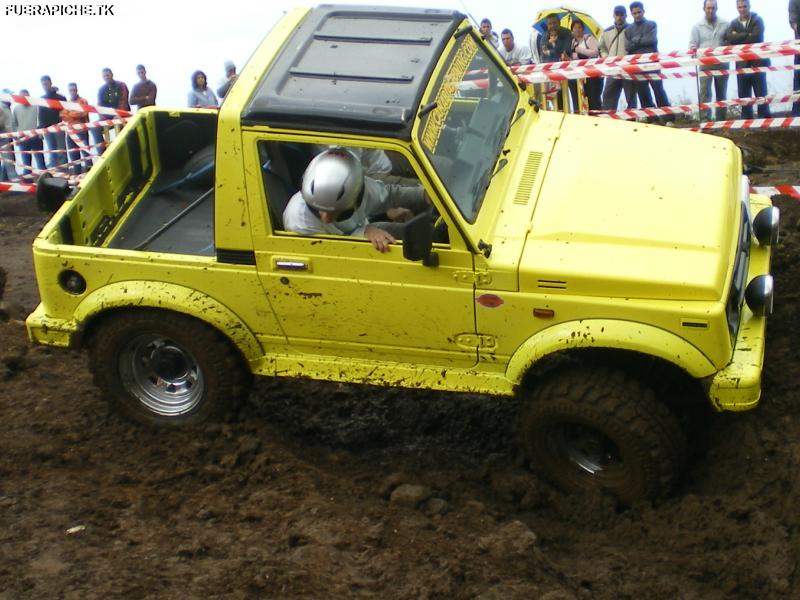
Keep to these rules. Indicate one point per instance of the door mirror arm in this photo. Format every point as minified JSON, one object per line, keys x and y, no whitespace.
{"x":418,"y":240}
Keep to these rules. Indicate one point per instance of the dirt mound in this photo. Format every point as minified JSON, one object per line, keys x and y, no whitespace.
{"x":323,"y":490}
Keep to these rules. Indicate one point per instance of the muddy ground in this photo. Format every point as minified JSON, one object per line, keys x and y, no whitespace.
{"x":331,"y":491}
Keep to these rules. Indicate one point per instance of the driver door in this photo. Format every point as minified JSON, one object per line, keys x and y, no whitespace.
{"x":337,"y":295}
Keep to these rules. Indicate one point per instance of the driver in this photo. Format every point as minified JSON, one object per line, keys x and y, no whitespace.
{"x":336,"y":198}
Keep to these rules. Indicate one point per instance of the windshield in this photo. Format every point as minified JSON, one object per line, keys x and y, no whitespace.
{"x":465,"y":126}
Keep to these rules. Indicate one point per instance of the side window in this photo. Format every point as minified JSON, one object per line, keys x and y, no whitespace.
{"x":391,"y":193}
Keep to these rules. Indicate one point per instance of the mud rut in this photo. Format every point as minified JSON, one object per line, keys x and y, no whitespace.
{"x":333,"y":491}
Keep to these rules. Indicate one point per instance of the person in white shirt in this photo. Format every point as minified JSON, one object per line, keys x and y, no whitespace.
{"x":584,"y":45}
{"x":709,"y":32}
{"x":512,"y":53}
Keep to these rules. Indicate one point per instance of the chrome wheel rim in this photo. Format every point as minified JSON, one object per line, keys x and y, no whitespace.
{"x":589,"y":449}
{"x":161,"y":374}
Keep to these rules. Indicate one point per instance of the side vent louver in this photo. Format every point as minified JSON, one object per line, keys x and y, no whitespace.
{"x":528,"y":178}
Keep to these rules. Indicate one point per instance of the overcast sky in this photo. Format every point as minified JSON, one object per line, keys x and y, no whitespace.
{"x":175,"y":37}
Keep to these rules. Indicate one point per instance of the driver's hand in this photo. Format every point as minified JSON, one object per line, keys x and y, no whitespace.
{"x":399,"y":215}
{"x":380,"y":239}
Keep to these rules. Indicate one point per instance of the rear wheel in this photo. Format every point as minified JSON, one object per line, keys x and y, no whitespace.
{"x":597,"y":429}
{"x":166,"y":369}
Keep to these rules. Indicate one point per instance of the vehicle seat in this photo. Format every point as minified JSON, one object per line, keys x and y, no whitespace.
{"x":277,"y":181}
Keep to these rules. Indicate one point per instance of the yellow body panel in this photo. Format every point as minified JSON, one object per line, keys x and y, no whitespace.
{"x":634,"y":254}
{"x":737,"y":387}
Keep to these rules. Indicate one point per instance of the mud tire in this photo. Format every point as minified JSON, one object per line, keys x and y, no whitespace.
{"x":166,"y":369}
{"x":590,"y":429}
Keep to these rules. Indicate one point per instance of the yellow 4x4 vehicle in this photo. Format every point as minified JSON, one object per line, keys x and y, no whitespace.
{"x":606,"y":307}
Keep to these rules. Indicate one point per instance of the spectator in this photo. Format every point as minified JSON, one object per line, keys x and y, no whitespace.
{"x":555,"y":44}
{"x":230,"y":78}
{"x":512,"y":53}
{"x":584,"y":45}
{"x":51,"y":116}
{"x":794,"y":19}
{"x":748,"y":28}
{"x":23,"y":119}
{"x":75,"y":117}
{"x":488,"y":34}
{"x":612,"y":43}
{"x":641,"y":37}
{"x":144,"y":92}
{"x":112,"y":94}
{"x":533,"y":45}
{"x":7,"y":170}
{"x":201,"y":96}
{"x":710,"y":33}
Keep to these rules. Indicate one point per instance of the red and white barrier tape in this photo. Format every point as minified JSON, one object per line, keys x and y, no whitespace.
{"x":751,"y":124}
{"x":633,"y":66}
{"x":793,"y":191}
{"x":648,"y":76}
{"x":17,"y":187}
{"x":60,"y":105}
{"x":750,"y":70}
{"x":705,"y":56}
{"x":693,"y":74}
{"x":587,"y":72}
{"x":634,"y":113}
{"x":64,"y":127}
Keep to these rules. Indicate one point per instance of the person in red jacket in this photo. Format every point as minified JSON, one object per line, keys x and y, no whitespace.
{"x":75,"y":117}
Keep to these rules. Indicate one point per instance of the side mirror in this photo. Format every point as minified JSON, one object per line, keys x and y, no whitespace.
{"x":51,"y":192}
{"x":418,"y":240}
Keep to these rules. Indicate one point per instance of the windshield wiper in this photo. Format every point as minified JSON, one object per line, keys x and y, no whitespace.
{"x":503,"y":162}
{"x":520,"y":113}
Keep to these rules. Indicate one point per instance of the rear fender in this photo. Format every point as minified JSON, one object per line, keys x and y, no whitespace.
{"x":168,"y":296}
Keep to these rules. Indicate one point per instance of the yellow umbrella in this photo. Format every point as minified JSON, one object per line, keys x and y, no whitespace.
{"x":566,"y":16}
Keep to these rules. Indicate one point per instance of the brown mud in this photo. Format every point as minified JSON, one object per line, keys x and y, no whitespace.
{"x":317,"y":490}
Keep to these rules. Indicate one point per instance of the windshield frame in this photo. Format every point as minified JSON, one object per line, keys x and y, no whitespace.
{"x":471,"y":105}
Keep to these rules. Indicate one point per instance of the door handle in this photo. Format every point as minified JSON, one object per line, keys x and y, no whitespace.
{"x":291,"y":265}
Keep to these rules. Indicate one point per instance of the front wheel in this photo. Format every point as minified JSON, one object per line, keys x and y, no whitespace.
{"x":165,"y":369}
{"x":597,"y":429}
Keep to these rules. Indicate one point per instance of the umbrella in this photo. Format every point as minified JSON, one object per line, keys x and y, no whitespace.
{"x":566,"y":16}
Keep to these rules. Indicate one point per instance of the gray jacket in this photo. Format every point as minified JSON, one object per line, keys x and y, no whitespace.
{"x":24,"y":117}
{"x":708,"y":35}
{"x":750,"y":32}
{"x":641,"y":38}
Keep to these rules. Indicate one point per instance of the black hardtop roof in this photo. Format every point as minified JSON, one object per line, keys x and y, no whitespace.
{"x":353,"y":68}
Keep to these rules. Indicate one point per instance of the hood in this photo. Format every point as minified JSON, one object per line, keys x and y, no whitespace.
{"x":633,"y":210}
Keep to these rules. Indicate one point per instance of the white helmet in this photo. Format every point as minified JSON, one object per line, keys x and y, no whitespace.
{"x":333,"y":181}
